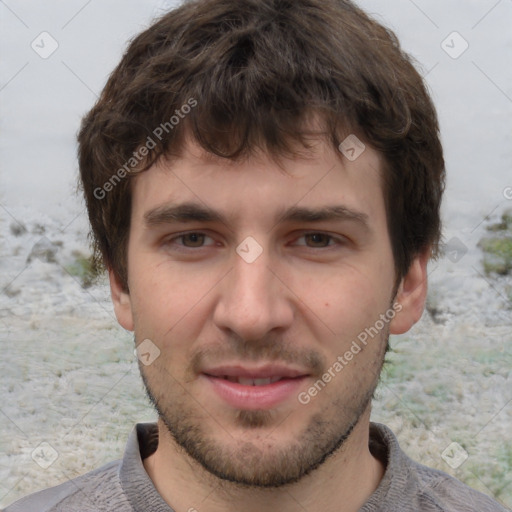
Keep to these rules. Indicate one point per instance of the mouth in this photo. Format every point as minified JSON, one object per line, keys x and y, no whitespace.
{"x":244,"y":381}
{"x":258,"y":388}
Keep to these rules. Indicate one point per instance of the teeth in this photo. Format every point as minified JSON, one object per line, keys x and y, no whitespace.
{"x":246,"y":382}
{"x":252,"y":382}
{"x":262,"y":382}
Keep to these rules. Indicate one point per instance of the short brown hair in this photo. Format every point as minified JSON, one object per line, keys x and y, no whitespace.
{"x":252,"y":73}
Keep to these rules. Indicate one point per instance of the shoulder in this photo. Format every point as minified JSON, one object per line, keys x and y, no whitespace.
{"x":104,"y":488}
{"x":94,"y":491}
{"x":408,"y":485}
{"x":438,"y":491}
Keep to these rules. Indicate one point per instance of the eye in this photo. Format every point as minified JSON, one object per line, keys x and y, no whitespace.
{"x":319,"y":240}
{"x":192,"y":240}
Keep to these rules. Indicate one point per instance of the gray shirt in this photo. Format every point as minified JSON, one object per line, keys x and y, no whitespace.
{"x":124,"y":486}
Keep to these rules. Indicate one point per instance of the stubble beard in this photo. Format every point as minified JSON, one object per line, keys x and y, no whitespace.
{"x":260,"y":464}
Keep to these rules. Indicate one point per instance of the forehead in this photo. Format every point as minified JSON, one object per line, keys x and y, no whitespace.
{"x":260,"y":184}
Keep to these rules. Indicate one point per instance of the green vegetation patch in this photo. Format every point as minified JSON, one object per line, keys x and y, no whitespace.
{"x":497,"y":248}
{"x":84,"y":268}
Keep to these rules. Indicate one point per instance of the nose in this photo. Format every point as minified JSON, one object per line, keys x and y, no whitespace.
{"x":253,"y":300}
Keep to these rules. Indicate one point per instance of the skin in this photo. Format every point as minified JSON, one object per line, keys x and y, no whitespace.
{"x":301,"y":303}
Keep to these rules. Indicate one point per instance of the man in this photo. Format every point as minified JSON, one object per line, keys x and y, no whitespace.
{"x":263,"y":180}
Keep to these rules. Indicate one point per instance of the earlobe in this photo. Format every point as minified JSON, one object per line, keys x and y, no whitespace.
{"x":411,"y":295}
{"x":122,"y":302}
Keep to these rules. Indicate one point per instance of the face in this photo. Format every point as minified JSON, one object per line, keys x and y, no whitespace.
{"x":270,"y":297}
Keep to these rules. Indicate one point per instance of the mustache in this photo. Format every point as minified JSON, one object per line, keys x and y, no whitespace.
{"x":269,"y":349}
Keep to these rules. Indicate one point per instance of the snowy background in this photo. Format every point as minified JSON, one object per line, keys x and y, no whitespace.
{"x":70,"y":391}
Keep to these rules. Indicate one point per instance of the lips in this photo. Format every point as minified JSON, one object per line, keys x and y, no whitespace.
{"x":252,"y":382}
{"x":269,"y":371}
{"x":251,"y":388}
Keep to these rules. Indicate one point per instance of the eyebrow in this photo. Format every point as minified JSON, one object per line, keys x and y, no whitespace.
{"x":326,"y":213}
{"x":194,"y":212}
{"x":185,"y":212}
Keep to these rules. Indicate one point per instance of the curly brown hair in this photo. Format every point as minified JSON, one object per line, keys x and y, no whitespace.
{"x":246,"y":75}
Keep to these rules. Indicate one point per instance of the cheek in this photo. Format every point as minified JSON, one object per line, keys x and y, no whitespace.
{"x":168,"y":304}
{"x":347,"y":303}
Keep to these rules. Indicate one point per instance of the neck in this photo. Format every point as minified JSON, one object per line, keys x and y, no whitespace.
{"x":343,"y":482}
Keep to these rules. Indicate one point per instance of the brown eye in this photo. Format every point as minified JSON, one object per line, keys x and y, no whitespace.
{"x":195,"y":239}
{"x":318,"y":239}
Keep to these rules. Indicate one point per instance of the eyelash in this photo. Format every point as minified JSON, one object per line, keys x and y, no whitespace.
{"x":331,"y":238}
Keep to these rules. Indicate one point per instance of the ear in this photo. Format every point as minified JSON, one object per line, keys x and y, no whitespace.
{"x":411,"y":295}
{"x":122,"y":302}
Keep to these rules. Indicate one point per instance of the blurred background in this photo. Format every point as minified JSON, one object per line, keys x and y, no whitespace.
{"x":68,"y":377}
